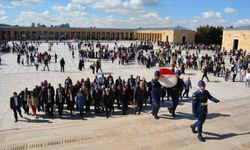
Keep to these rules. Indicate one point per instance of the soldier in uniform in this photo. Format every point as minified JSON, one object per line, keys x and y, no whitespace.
{"x":175,"y":93}
{"x":199,"y":107}
{"x":156,"y":94}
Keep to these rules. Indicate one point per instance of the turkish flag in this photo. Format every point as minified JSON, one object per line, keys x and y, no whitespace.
{"x":168,"y":78}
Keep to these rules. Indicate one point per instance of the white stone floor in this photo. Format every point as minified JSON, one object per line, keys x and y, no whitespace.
{"x":230,"y":116}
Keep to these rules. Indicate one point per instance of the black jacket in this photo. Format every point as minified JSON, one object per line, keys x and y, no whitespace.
{"x":12,"y":102}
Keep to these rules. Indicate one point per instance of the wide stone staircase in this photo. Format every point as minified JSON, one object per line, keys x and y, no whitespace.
{"x":227,"y":127}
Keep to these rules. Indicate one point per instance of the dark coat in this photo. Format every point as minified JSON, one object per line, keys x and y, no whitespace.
{"x":139,"y":94}
{"x":62,"y":93}
{"x":12,"y":102}
{"x":107,"y":100}
{"x":52,"y":98}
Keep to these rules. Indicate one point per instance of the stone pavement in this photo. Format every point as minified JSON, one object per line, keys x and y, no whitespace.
{"x":227,"y":126}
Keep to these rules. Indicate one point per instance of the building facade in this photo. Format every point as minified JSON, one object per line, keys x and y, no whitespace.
{"x":172,"y":35}
{"x":236,"y":38}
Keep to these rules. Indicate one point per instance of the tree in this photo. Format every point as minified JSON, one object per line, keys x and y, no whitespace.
{"x":209,"y":35}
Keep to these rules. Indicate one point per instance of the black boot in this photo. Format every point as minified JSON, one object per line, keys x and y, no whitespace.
{"x":173,"y":115}
{"x":192,"y":128}
{"x":156,"y":116}
{"x":170,"y":110}
{"x":202,"y":139}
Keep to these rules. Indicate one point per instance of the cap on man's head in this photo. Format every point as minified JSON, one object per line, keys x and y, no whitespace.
{"x":201,"y":83}
{"x":178,"y":72}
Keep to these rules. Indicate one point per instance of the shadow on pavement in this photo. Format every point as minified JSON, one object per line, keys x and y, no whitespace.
{"x":215,"y":136}
{"x":35,"y":120}
{"x":189,"y":74}
{"x":181,"y":115}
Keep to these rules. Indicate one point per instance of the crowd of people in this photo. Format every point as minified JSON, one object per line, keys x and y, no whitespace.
{"x":103,"y":93}
{"x":106,"y":95}
{"x":172,"y":56}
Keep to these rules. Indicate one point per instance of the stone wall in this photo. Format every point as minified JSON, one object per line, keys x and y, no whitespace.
{"x":242,"y":35}
{"x":188,"y":35}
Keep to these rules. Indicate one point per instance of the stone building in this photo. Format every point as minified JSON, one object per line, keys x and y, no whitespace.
{"x":236,"y":38}
{"x":172,"y":34}
{"x":49,"y":33}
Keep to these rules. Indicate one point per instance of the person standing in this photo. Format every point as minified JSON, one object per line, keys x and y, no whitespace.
{"x":234,"y":72}
{"x":46,"y":64}
{"x":49,"y":101}
{"x":139,"y":97}
{"x":107,"y":102}
{"x":187,"y":86}
{"x":71,"y":100}
{"x":93,"y":67}
{"x":156,"y":95}
{"x":62,"y":64}
{"x":55,"y":58}
{"x":199,"y":108}
{"x":24,"y":96}
{"x":227,"y":74}
{"x":37,"y":65}
{"x":125,"y":99}
{"x":60,"y":98}
{"x":88,"y":100}
{"x":97,"y":94}
{"x":98,"y":66}
{"x":35,"y":101}
{"x":29,"y":103}
{"x":81,"y":101}
{"x":18,"y":58}
{"x":80,"y":64}
{"x":15,"y":105}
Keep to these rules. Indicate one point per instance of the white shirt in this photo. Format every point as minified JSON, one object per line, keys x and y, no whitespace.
{"x":70,"y":97}
{"x":16,"y":101}
{"x":49,"y":97}
{"x":60,"y":96}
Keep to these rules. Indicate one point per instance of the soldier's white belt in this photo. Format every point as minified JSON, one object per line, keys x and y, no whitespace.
{"x":203,"y":104}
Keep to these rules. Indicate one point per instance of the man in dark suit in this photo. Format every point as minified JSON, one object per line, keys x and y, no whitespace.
{"x":62,"y":64}
{"x":97,"y":94}
{"x":60,"y":98}
{"x":139,"y":96}
{"x":15,"y":105}
{"x":49,"y":101}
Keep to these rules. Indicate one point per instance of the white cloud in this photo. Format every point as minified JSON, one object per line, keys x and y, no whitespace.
{"x":3,"y":17}
{"x":25,"y":2}
{"x":2,"y":12}
{"x":134,"y":15}
{"x":1,"y":6}
{"x":70,"y":10}
{"x":242,"y":22}
{"x":151,"y":15}
{"x":127,"y":7}
{"x":229,"y":10}
{"x":143,"y":3}
{"x":25,"y":18}
{"x":212,"y":15}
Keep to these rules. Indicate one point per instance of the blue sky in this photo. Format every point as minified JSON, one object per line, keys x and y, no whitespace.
{"x":126,"y":13}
